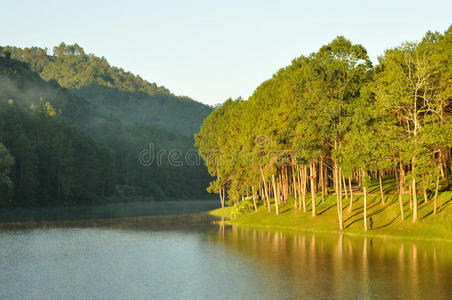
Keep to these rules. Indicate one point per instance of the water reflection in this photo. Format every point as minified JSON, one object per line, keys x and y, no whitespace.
{"x":198,"y":257}
{"x":330,"y":265}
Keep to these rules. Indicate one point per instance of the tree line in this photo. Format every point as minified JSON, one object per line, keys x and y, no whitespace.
{"x":114,"y":91}
{"x":331,"y":122}
{"x":59,"y":148}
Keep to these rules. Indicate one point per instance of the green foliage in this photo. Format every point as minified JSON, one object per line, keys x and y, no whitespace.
{"x":6,"y":185}
{"x":333,"y":107}
{"x":55,"y":163}
{"x":113,"y":91}
{"x":68,"y":150}
{"x":242,"y":208}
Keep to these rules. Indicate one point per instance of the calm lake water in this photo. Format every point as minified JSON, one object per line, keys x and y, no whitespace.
{"x":190,"y":257}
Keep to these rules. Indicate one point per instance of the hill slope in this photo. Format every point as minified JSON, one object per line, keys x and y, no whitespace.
{"x":117,"y":93}
{"x":120,"y":143}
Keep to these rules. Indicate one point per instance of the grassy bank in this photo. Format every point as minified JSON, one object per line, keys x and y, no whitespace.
{"x":386,"y":217}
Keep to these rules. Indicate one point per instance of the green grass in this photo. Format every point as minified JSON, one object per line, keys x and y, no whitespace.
{"x":386,"y":217}
{"x":222,"y":212}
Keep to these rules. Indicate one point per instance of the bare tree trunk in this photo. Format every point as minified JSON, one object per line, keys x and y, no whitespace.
{"x":337,"y":187}
{"x":436,"y":194}
{"x":413,"y":182}
{"x":424,"y":188}
{"x":397,"y":179}
{"x":410,"y":191}
{"x":294,"y":187}
{"x":303,"y":175}
{"x":222,"y":196}
{"x":399,"y":189}
{"x":351,"y":193}
{"x":254,"y":198}
{"x":446,"y":157}
{"x":286,"y":185}
{"x":401,"y":205}
{"x":339,"y":175}
{"x":312,"y":171}
{"x":381,"y":187}
{"x":345,"y":186}
{"x":322,"y":181}
{"x":442,"y":163}
{"x":274,"y":191}
{"x":265,"y":189}
{"x":365,"y":208}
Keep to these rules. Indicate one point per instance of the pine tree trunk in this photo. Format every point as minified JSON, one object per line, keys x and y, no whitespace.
{"x":449,"y":157}
{"x":401,"y":205}
{"x":265,"y":190}
{"x":303,"y":187}
{"x":365,"y":208}
{"x":402,"y":178}
{"x":294,"y":187}
{"x":222,"y":196}
{"x":399,"y":190}
{"x":340,"y":199}
{"x":286,"y":185}
{"x":424,"y":188}
{"x":276,"y":195}
{"x":410,"y":191}
{"x":322,"y":180}
{"x":351,"y":193}
{"x":413,"y":182}
{"x":441,"y":163}
{"x":381,"y":187}
{"x":337,"y":187}
{"x":254,"y":198}
{"x":436,"y":195}
{"x":312,"y":173}
{"x":345,"y":186}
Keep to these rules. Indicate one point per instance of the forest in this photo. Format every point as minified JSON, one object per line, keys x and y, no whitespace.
{"x":72,"y":128}
{"x":332,"y":123}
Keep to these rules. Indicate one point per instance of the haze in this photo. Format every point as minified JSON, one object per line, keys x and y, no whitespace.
{"x":212,"y":50}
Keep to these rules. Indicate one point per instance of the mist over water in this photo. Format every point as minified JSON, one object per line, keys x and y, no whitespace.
{"x":197,"y":257}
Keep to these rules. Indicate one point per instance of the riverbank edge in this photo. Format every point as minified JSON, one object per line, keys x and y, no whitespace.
{"x":239,"y":222}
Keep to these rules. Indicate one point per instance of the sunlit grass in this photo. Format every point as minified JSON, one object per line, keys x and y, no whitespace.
{"x":386,"y":217}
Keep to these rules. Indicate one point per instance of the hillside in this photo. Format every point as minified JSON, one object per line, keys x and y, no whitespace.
{"x":42,"y":119}
{"x":116,"y":93}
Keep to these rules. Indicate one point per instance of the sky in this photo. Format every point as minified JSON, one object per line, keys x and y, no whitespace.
{"x":213,"y":50}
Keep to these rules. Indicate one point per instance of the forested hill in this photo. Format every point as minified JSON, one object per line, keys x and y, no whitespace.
{"x":116,"y":92}
{"x":57,"y":148}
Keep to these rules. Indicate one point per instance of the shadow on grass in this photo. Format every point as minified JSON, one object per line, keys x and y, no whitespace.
{"x":359,"y":209}
{"x":443,"y":206}
{"x":373,"y":213}
{"x":326,"y":209}
{"x":388,"y":184}
{"x":389,"y":223}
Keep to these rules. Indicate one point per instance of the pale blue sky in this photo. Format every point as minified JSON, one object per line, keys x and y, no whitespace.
{"x":212,"y":50}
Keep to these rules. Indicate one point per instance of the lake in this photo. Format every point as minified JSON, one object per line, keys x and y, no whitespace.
{"x":195,"y":256}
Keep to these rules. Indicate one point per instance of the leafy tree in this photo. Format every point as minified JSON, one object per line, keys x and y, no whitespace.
{"x":6,"y":185}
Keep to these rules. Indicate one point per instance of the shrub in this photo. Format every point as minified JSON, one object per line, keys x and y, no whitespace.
{"x":242,"y":208}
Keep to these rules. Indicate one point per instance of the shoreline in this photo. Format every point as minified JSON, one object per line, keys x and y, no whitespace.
{"x":387,"y":224}
{"x":152,"y":222}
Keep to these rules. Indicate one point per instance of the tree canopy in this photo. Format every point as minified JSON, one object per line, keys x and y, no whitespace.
{"x":331,"y":118}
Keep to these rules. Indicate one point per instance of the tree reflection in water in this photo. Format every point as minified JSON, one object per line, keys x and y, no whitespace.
{"x":324,"y":265}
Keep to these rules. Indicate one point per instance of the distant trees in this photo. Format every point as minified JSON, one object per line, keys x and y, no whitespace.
{"x":68,"y":151}
{"x":332,"y":120}
{"x":112,"y":90}
{"x":6,"y":185}
{"x":55,"y":163}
